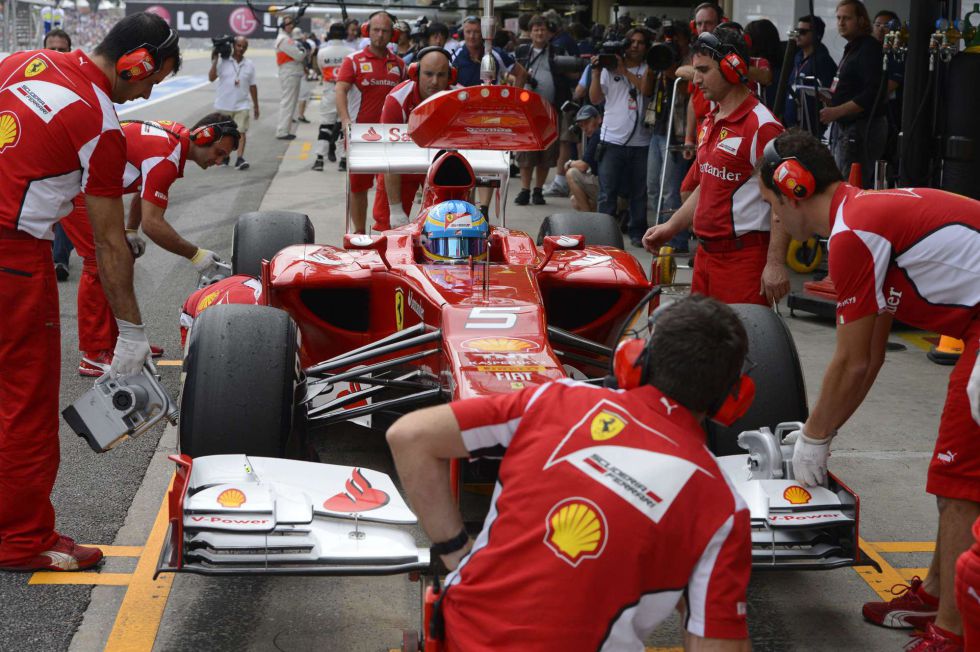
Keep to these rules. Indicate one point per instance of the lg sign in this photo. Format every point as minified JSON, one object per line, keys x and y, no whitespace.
{"x":242,"y":22}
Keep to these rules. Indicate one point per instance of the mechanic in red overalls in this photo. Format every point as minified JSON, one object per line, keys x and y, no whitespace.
{"x":59,"y":136}
{"x":912,"y":255}
{"x":738,"y":260}
{"x":608,"y":507}
{"x":429,"y":74}
{"x":363,"y":83}
{"x":155,"y":156}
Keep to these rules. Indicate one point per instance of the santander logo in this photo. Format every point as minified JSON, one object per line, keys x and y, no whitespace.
{"x":371,"y":136}
{"x":358,"y":496}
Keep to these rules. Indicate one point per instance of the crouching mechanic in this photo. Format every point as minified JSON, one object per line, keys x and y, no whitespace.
{"x":741,"y":259}
{"x":911,"y":254}
{"x":431,"y":73}
{"x":597,"y":488}
{"x":61,"y":137}
{"x":156,"y":153}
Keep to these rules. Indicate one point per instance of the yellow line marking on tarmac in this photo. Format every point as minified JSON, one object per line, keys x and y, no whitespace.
{"x":881,"y":583}
{"x":104,"y":579}
{"x":168,"y":363}
{"x":142,"y":608}
{"x":903,"y":546}
{"x":305,"y":153}
{"x":922,"y":339}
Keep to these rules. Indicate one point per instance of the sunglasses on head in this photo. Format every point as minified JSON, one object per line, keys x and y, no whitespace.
{"x":709,"y":43}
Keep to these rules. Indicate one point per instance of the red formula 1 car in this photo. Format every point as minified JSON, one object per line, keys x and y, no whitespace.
{"x":308,"y":337}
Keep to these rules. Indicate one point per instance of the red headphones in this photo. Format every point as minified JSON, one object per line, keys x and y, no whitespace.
{"x":366,"y":26}
{"x":789,"y":174}
{"x":203,"y":136}
{"x":631,"y":369}
{"x":144,"y":60}
{"x":732,"y":65}
{"x":413,"y":68}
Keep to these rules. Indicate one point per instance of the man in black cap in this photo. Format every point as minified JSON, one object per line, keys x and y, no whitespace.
{"x":583,"y":182}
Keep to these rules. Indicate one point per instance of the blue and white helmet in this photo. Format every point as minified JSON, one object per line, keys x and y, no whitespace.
{"x":454,"y":231}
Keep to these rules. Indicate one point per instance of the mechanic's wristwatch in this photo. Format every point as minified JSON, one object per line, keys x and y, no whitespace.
{"x":452,"y":545}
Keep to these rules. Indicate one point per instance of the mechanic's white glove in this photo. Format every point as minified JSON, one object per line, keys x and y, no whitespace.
{"x":136,"y":242}
{"x":132,"y":350}
{"x":206,"y":262}
{"x":397,"y":215}
{"x":809,"y":458}
{"x":973,"y":391}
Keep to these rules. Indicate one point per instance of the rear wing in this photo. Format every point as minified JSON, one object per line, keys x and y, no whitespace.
{"x":388,"y":149}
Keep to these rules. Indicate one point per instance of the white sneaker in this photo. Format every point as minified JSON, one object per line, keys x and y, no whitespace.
{"x":557,"y":188}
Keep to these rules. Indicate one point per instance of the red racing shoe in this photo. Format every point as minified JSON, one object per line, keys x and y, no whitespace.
{"x":94,"y":363}
{"x":66,"y":555}
{"x":934,"y":639}
{"x":156,"y":351}
{"x":912,"y":608}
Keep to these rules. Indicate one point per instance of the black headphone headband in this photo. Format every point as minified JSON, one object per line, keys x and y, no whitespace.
{"x":151,"y":124}
{"x":429,"y":50}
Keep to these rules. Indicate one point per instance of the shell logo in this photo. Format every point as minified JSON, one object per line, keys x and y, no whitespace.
{"x":9,"y":130}
{"x":231,"y":498}
{"x":797,"y":495}
{"x":499,"y":345}
{"x":575,"y":530}
{"x":207,"y":301}
{"x":606,"y":425}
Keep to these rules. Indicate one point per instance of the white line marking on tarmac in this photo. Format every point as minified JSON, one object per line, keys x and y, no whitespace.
{"x":165,"y":91}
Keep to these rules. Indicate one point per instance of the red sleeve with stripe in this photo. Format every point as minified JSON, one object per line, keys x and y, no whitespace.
{"x":157,"y":181}
{"x":391,"y":112}
{"x":104,"y":172}
{"x":347,"y":72}
{"x":490,"y":422}
{"x":852,"y":268}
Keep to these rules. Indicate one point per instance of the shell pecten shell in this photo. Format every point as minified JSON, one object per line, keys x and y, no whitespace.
{"x":231,"y":498}
{"x":797,"y":495}
{"x":576,"y":530}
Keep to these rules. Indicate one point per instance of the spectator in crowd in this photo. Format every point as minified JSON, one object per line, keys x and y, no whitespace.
{"x":560,"y":37}
{"x":438,"y":35}
{"x":329,"y":56}
{"x":738,"y":260}
{"x":236,"y":93}
{"x":289,"y":58}
{"x":404,"y":46}
{"x":884,"y":22}
{"x":538,"y":58}
{"x":658,"y":116}
{"x":583,"y":180}
{"x":59,"y":41}
{"x":693,"y":541}
{"x":365,"y":79}
{"x":764,"y":37}
{"x":505,"y":40}
{"x":396,"y":192}
{"x":354,"y":39}
{"x":467,"y":58}
{"x":524,"y":29}
{"x":624,"y":140}
{"x":857,"y":135}
{"x":812,"y":67}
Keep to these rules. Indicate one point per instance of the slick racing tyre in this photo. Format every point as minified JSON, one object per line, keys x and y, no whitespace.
{"x":243,"y":385}
{"x":780,"y":394}
{"x":599,"y":229}
{"x":263,"y":234}
{"x":804,"y":257}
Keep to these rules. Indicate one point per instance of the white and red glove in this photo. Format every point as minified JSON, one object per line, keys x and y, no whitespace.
{"x":973,"y":391}
{"x":132,"y":350}
{"x":136,"y":242}
{"x":810,"y":458}
{"x":206,"y":262}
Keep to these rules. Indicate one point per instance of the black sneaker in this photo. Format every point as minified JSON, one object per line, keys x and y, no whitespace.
{"x":303,"y":119}
{"x":537,"y":197}
{"x":61,"y":271}
{"x":523,"y":198}
{"x":286,"y":137}
{"x":332,"y":155}
{"x":318,"y":164}
{"x":241,"y":164}
{"x":342,"y":166}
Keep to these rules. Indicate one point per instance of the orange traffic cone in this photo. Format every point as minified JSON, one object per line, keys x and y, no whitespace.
{"x":947,"y":352}
{"x":855,"y":177}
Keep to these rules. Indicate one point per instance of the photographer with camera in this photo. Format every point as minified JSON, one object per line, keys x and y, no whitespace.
{"x":583,"y":184}
{"x":236,"y":93}
{"x":621,"y":79}
{"x":545,"y":78}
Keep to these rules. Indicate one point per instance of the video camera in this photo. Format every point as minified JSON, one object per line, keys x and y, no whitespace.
{"x":664,"y":54}
{"x":222,"y":46}
{"x":610,"y":52}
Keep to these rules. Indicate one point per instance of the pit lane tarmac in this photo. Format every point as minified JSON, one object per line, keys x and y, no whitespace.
{"x":882,"y":454}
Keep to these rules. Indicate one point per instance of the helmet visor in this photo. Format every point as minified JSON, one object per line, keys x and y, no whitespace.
{"x":456,"y":248}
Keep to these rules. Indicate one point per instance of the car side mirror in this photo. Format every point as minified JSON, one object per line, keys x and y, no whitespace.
{"x":360,"y":241}
{"x":553,"y":243}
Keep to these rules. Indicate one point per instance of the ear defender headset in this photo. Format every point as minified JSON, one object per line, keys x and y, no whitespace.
{"x":366,"y":26}
{"x":203,"y":136}
{"x":144,"y":60}
{"x":789,"y":174}
{"x":732,"y":65}
{"x":414,"y":67}
{"x":631,"y":367}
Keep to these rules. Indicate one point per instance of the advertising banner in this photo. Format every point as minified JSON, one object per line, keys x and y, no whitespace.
{"x":213,"y":20}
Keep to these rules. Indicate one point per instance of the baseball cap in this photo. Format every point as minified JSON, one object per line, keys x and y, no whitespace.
{"x":586,"y":112}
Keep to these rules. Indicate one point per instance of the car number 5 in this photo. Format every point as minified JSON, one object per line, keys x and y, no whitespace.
{"x":502,"y":318}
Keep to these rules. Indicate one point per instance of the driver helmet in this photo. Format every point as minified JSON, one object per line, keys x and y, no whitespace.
{"x":454,"y":231}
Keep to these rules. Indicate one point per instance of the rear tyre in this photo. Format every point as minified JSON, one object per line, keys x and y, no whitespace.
{"x":262,"y":234}
{"x":243,"y":384}
{"x":598,"y":228}
{"x":780,"y":393}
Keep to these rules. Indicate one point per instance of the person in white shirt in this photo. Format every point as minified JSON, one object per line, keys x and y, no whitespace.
{"x":236,"y":93}
{"x":289,"y":58}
